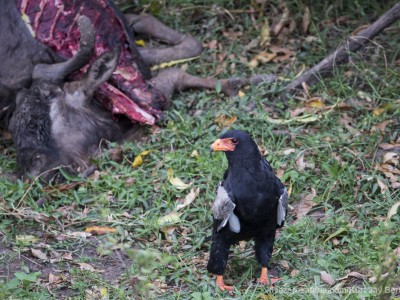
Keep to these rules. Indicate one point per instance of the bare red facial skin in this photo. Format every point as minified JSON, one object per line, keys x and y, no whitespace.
{"x":223,"y":145}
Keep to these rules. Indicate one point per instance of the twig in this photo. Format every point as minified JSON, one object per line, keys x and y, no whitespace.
{"x":341,"y":55}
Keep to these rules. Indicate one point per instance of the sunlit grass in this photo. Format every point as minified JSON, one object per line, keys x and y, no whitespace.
{"x":345,"y":231}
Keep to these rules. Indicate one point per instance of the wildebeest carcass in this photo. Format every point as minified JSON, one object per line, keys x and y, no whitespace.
{"x":58,"y":55}
{"x":53,"y":122}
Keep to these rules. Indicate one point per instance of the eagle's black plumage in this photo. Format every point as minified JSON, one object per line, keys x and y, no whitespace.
{"x":256,"y":192}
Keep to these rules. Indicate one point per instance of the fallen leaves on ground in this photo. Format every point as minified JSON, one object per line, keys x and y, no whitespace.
{"x":26,"y":239}
{"x":382,"y":185}
{"x":265,"y":33}
{"x":169,"y":219}
{"x":314,"y":102}
{"x":335,"y":234}
{"x":300,"y":164}
{"x":392,"y":211}
{"x":89,"y":267}
{"x":306,"y":204}
{"x":188,"y":199}
{"x":353,"y":274}
{"x":167,"y":224}
{"x":100,"y":230}
{"x":225,"y":121}
{"x":62,"y":187}
{"x":175,"y":181}
{"x":138,"y":161}
{"x":327,"y":278}
{"x":306,"y":20}
{"x":39,"y":254}
{"x":272,"y":54}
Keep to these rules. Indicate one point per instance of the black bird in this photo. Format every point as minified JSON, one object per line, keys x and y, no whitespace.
{"x":251,"y":199}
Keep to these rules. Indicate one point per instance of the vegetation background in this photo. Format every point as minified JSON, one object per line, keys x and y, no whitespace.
{"x":335,"y":145}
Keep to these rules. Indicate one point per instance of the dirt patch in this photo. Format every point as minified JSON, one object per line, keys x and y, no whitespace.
{"x":59,"y":273}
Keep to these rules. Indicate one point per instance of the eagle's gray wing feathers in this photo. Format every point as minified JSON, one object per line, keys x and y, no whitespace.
{"x":223,"y":210}
{"x":282,"y":207}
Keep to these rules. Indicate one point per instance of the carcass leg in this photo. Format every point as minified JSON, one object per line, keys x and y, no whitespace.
{"x":171,"y":80}
{"x":182,"y":45}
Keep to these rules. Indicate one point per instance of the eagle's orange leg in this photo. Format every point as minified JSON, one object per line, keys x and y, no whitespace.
{"x":264,"y":278}
{"x":220,"y":283}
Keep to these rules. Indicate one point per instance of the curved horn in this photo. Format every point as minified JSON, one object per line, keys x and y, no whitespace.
{"x":59,"y":71}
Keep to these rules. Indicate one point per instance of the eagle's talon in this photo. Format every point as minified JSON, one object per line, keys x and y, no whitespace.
{"x":221,"y":285}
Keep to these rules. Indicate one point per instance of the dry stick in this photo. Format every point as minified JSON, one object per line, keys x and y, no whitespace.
{"x":353,"y":44}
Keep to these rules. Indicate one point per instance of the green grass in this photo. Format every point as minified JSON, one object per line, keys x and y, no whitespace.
{"x":344,"y":232}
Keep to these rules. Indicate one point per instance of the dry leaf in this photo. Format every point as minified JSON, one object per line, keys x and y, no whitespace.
{"x":283,"y":20}
{"x":170,"y":233}
{"x":397,"y":251}
{"x":241,"y":94}
{"x":138,"y":161}
{"x":289,"y":151}
{"x":265,"y":33}
{"x":306,"y":20}
{"x":298,"y":111}
{"x":140,"y":43}
{"x":212,"y":44}
{"x":67,"y":256}
{"x":63,"y":187}
{"x":169,"y":219}
{"x":178,"y":183}
{"x":139,"y":158}
{"x":253,"y":63}
{"x":225,"y":121}
{"x":284,"y":264}
{"x":396,"y":185}
{"x":382,"y":126}
{"x":195,"y":154}
{"x":382,"y":185}
{"x":391,"y":158}
{"x":314,"y":102}
{"x":335,"y":241}
{"x":306,"y":204}
{"x":279,"y":173}
{"x":85,"y":266}
{"x":79,"y":234}
{"x":392,"y":211}
{"x":283,"y":54}
{"x":294,"y":273}
{"x":300,"y":164}
{"x":374,"y":279}
{"x":386,"y":146}
{"x":26,"y":239}
{"x":346,"y":121}
{"x":265,"y":57}
{"x":327,"y":278}
{"x":55,"y":279}
{"x":388,"y":168}
{"x":188,"y":199}
{"x":39,"y":254}
{"x":353,"y":274}
{"x":175,"y":181}
{"x":100,"y":230}
{"x":381,"y":109}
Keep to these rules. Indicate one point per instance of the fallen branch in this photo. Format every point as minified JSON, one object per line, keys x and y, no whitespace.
{"x":341,"y":55}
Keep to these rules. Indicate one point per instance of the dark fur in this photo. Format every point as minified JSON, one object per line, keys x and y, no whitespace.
{"x":52,"y":122}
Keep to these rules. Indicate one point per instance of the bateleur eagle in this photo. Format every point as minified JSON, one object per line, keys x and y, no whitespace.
{"x":251,"y":202}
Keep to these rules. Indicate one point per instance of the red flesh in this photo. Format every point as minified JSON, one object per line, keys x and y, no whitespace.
{"x":54,"y":24}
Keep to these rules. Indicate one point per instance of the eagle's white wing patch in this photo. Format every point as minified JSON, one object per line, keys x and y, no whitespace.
{"x":223,"y":210}
{"x":282,"y":207}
